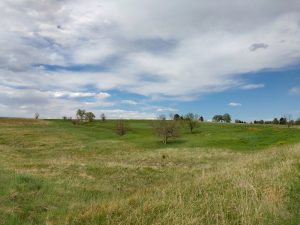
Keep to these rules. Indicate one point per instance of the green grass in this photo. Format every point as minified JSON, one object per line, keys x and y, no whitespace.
{"x":216,"y":135}
{"x":53,"y":172}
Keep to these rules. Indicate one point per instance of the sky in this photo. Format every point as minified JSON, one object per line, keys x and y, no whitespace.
{"x":137,"y":59}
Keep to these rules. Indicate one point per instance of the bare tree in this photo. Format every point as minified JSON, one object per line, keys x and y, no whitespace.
{"x":80,"y":114}
{"x":36,"y":115}
{"x":191,"y":121}
{"x":289,"y":119}
{"x":297,"y":122}
{"x":121,"y":127}
{"x":166,"y":129}
{"x":103,"y":117}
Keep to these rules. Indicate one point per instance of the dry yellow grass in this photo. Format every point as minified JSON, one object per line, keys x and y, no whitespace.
{"x":201,"y":187}
{"x":57,"y":178}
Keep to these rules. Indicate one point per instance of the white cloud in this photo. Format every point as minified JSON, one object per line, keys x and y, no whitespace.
{"x":129,"y":102}
{"x":102,"y":95}
{"x":234,"y":104}
{"x":24,"y":102}
{"x":295,"y":91}
{"x":252,"y":86}
{"x":154,"y":53}
{"x":166,"y":110}
{"x":69,"y":94}
{"x":127,"y":114}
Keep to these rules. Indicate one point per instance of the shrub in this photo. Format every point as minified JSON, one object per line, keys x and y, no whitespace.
{"x":166,"y":129}
{"x":121,"y":127}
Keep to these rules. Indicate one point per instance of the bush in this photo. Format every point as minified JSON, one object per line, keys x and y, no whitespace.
{"x":166,"y":129}
{"x":121,"y":128}
{"x":191,"y":121}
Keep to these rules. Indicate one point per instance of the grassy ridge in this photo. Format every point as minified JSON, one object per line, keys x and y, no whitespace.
{"x":217,"y":135}
{"x":52,"y":172}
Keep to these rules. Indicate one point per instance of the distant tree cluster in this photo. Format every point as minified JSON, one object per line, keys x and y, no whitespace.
{"x":190,"y":119}
{"x":188,"y":115}
{"x":259,"y":122}
{"x":285,"y":120}
{"x":170,"y":129}
{"x":67,"y":118}
{"x":83,"y":116}
{"x":239,"y":121}
{"x":226,"y":118}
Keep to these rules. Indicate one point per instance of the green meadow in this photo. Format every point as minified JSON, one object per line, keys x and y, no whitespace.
{"x":54,"y":172}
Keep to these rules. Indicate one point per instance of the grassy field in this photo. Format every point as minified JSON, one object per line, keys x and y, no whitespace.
{"x":53,"y":172}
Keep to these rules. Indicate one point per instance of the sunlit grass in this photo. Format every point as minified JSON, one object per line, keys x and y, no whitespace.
{"x":58,"y":173}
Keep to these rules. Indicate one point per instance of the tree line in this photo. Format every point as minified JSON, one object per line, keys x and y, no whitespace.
{"x":167,"y":129}
{"x":286,"y":120}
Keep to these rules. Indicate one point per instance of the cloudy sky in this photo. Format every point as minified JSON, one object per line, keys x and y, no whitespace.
{"x":141,"y":58}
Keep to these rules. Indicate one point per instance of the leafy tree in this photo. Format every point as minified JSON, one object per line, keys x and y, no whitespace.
{"x":239,"y":121}
{"x":80,"y":114}
{"x":89,"y":116}
{"x":227,"y":118}
{"x":166,"y":129}
{"x":201,"y":119}
{"x":217,"y":118}
{"x":275,"y":121}
{"x":191,"y":121}
{"x":297,"y":122}
{"x":282,"y":121}
{"x":176,"y":117}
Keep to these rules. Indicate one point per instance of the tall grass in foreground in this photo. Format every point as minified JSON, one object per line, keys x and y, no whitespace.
{"x":52,"y":174}
{"x":240,"y":189}
{"x":170,"y":186}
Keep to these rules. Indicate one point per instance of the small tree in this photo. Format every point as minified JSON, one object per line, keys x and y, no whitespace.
{"x":275,"y":121}
{"x":217,"y":118}
{"x":282,"y":121}
{"x":89,"y":116}
{"x":239,"y":121}
{"x":166,"y":129}
{"x":226,"y":118}
{"x":75,"y":121}
{"x":201,"y":119}
{"x":176,"y":117}
{"x":191,"y":121}
{"x":103,"y":117}
{"x":80,"y":114}
{"x":36,"y":115}
{"x":121,"y":128}
{"x":289,"y":120}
